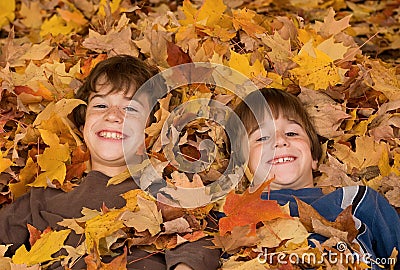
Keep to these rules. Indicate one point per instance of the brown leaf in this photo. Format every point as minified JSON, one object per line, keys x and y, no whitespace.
{"x":343,"y":225}
{"x":176,"y":56}
{"x":238,"y":238}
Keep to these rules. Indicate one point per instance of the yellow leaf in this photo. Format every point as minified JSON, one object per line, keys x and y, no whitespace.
{"x":383,"y":164}
{"x":7,"y":12}
{"x":318,"y":71}
{"x":131,"y":198}
{"x":350,"y":121}
{"x":49,"y":138}
{"x":4,"y":162}
{"x":361,"y":128}
{"x":147,"y":218}
{"x":114,"y":5}
{"x":222,"y":33}
{"x":41,"y":251}
{"x":209,"y":13}
{"x":52,"y":161}
{"x":368,"y":153}
{"x":100,"y":227}
{"x":62,"y":108}
{"x":243,"y":19}
{"x":55,"y":26}
{"x":241,"y":63}
{"x":396,"y":164}
{"x":26,"y":175}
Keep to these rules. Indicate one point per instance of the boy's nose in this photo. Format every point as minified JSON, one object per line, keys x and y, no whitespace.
{"x":281,"y":140}
{"x":114,"y":114}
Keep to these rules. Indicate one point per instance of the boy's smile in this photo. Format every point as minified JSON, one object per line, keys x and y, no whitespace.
{"x":282,"y":151}
{"x":114,"y":124}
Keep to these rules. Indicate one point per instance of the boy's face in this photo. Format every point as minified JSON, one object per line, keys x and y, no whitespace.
{"x":282,"y":151}
{"x":114,"y":124}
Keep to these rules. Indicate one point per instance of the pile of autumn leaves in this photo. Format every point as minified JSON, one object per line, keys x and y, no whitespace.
{"x":354,"y":99}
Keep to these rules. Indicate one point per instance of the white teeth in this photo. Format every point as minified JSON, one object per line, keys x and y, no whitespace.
{"x":111,"y":135}
{"x":282,"y":160}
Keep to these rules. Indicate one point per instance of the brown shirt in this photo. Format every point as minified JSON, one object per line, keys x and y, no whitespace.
{"x":45,"y":207}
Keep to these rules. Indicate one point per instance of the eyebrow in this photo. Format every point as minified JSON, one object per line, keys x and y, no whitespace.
{"x":126,"y":98}
{"x":294,"y":122}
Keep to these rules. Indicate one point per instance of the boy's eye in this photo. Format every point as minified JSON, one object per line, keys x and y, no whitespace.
{"x":263,"y":139}
{"x":100,"y":106}
{"x":130,"y":109}
{"x":291,"y":134}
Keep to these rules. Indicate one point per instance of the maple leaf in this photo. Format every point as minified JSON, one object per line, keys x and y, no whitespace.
{"x":343,"y":227}
{"x":148,"y":217}
{"x":292,"y":231}
{"x":238,"y":238}
{"x":316,"y":69}
{"x":113,"y":5}
{"x":52,"y":161}
{"x":241,"y":63}
{"x":243,"y":19}
{"x":101,"y":226}
{"x":208,"y":15}
{"x":38,"y":51}
{"x":367,"y":153}
{"x":7,"y":12}
{"x":5,"y":163}
{"x":384,"y":79}
{"x":55,"y":25}
{"x":281,"y":53}
{"x":29,"y":12}
{"x":117,"y":41}
{"x":330,"y":26}
{"x":326,"y":113}
{"x":93,"y":262}
{"x":248,"y":209}
{"x":176,"y":56}
{"x":43,"y":249}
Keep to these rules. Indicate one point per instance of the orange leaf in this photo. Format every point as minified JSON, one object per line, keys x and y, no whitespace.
{"x":42,"y":92}
{"x":34,"y":234}
{"x":248,"y":209}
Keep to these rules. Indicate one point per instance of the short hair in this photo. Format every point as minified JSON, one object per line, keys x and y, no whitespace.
{"x":281,"y":103}
{"x":123,"y":72}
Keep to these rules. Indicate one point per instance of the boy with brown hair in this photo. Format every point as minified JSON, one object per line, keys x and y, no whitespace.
{"x":283,"y":145}
{"x":113,"y":121}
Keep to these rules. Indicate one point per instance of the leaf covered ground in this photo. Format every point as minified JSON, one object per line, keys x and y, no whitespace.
{"x":340,"y":57}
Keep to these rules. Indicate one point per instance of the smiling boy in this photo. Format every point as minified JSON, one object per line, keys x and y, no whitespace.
{"x":112,"y":123}
{"x":283,"y":145}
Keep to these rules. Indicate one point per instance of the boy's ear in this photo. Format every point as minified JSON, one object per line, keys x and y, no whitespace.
{"x":314,"y":164}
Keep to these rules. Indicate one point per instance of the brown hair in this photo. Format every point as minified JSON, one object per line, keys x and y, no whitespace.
{"x":123,"y":72}
{"x":281,"y":103}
